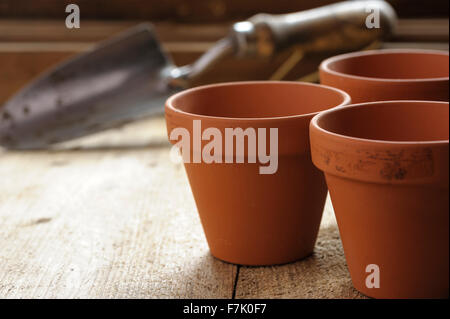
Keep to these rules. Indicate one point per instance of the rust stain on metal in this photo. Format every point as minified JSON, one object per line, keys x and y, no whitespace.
{"x":6,"y":116}
{"x":26,"y":110}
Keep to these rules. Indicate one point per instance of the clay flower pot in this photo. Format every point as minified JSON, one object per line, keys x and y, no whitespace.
{"x":381,"y":75}
{"x":386,"y":167}
{"x":251,"y":218}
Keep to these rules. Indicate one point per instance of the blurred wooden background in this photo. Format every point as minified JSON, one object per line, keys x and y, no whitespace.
{"x":33,"y":35}
{"x":196,"y":11}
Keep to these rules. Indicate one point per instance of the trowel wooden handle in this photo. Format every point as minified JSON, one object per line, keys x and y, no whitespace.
{"x":344,"y":26}
{"x":348,"y":25}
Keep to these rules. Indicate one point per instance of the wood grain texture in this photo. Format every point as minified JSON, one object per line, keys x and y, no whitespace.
{"x":110,"y":216}
{"x":322,"y":275}
{"x":113,"y":217}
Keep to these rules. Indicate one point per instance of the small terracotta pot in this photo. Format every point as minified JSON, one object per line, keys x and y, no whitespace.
{"x":251,"y":218}
{"x":381,"y":75}
{"x":386,"y":167}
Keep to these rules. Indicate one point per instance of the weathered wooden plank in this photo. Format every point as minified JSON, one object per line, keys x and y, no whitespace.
{"x":111,"y":216}
{"x":417,"y":30}
{"x":17,"y":68}
{"x":423,"y":30}
{"x":322,"y":275}
{"x":94,"y":30}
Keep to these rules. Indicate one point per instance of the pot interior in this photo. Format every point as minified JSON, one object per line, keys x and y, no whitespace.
{"x":390,"y":121}
{"x":394,"y":65}
{"x":258,"y":99}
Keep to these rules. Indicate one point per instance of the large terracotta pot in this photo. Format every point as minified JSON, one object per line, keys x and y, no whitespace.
{"x":381,"y":75}
{"x":386,"y":167}
{"x":252,"y":218}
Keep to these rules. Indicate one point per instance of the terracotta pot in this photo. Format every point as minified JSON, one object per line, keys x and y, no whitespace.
{"x":251,"y":218}
{"x":386,"y":167}
{"x":381,"y":75}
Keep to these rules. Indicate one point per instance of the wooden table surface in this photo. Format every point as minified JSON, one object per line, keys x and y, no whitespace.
{"x":110,"y":216}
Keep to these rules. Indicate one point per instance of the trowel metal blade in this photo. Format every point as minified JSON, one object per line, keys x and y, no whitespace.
{"x":121,"y":80}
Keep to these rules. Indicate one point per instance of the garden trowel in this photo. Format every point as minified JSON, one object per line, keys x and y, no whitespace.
{"x":128,"y":77}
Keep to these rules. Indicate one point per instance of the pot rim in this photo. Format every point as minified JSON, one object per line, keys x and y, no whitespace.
{"x":314,"y":124}
{"x":325,"y":65}
{"x":170,"y":106}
